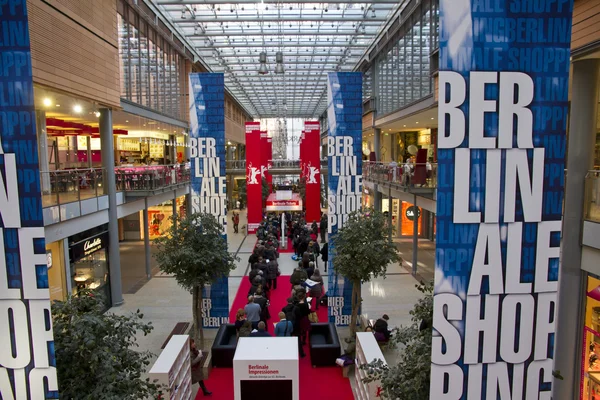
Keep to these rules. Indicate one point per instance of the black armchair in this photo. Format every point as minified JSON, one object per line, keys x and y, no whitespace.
{"x":223,"y":348}
{"x":324,"y":344}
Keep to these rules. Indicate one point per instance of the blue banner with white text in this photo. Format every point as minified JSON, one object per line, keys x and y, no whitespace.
{"x":502,"y":112}
{"x":344,"y":158}
{"x":27,"y":359}
{"x":208,"y":187}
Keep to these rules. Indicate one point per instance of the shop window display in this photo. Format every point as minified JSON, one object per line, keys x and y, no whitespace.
{"x":590,"y":368}
{"x":89,"y":265}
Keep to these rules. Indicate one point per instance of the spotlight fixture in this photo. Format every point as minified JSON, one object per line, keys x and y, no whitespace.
{"x":262,"y":58}
{"x":279,"y":60}
{"x":183,"y":10}
{"x":77,"y":108}
{"x":47,"y":102}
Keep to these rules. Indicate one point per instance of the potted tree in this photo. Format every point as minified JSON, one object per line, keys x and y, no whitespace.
{"x":193,"y":249}
{"x":95,"y":351}
{"x":362,"y":251}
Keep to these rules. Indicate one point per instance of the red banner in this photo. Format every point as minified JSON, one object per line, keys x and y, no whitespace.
{"x":269,"y":163}
{"x":253,"y":175}
{"x":311,"y":164}
{"x":265,"y":156}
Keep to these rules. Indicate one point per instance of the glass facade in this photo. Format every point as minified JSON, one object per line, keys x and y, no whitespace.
{"x":152,"y":71}
{"x":402,"y":73}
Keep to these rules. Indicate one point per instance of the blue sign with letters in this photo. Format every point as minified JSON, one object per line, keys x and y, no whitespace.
{"x":27,"y":361}
{"x":503,"y":97}
{"x":208,"y":183}
{"x":344,"y":158}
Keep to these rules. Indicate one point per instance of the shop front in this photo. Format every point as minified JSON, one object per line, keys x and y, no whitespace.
{"x":88,"y":254}
{"x":159,"y":217}
{"x":57,"y":281}
{"x":590,"y":363}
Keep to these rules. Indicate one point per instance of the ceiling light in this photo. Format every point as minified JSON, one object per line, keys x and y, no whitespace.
{"x":183,"y":10}
{"x":77,"y":108}
{"x":47,"y":102}
{"x":432,"y":118}
{"x":97,"y":114}
{"x":262,"y":58}
{"x":58,"y":105}
{"x":416,"y":122}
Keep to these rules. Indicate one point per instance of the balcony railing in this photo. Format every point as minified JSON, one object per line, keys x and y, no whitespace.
{"x":592,"y":198}
{"x":275,"y":164}
{"x":151,"y":178}
{"x":407,"y":176}
{"x":67,"y":186}
{"x":71,"y":185}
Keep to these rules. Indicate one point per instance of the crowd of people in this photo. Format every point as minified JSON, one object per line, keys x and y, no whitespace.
{"x":306,"y":291}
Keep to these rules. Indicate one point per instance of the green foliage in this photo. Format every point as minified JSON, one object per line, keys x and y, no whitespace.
{"x":265,"y":190}
{"x":362,"y":248}
{"x":242,"y":193}
{"x":409,"y":378}
{"x":362,"y":251}
{"x":194,"y":251}
{"x":95,"y":351}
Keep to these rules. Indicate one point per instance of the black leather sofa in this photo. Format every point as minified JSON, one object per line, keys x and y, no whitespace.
{"x":223,"y":348}
{"x":324,"y":344}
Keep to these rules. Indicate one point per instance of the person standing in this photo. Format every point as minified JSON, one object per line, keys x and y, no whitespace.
{"x":260,"y":331}
{"x":196,"y":367}
{"x":323,"y":227}
{"x":325,"y":255}
{"x":252,"y":312}
{"x":236,"y":222}
{"x":283,"y":327}
{"x":272,"y":270}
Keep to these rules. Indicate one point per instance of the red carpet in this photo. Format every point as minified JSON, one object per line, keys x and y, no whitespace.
{"x":289,"y":249}
{"x":315,"y":383}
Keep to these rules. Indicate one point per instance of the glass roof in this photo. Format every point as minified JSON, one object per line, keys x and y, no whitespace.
{"x":315,"y":38}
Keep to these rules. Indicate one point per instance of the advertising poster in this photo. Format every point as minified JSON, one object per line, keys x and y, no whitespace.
{"x":503,"y":101}
{"x":27,"y":361}
{"x":344,"y":158}
{"x":208,"y":186}
{"x":253,"y":175}
{"x":311,"y":163}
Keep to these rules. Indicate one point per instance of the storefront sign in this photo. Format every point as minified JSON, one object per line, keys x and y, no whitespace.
{"x":86,"y":247}
{"x":502,"y":113}
{"x":344,"y":153}
{"x":275,"y":204}
{"x":411,"y":211}
{"x":311,"y":160}
{"x":27,"y":362}
{"x":254,"y":174}
{"x":208,"y":186}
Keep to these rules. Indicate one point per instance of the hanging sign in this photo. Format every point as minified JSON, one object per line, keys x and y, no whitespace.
{"x":254,"y":174}
{"x":311,"y":162}
{"x":208,"y":186}
{"x":502,"y":111}
{"x":344,"y":157}
{"x":27,"y":361}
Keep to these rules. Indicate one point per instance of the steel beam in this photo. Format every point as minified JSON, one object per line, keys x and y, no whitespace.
{"x":202,"y":2}
{"x":283,"y":18}
{"x":351,"y":32}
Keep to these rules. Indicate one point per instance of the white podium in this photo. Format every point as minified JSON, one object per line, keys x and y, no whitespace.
{"x":266,"y":365}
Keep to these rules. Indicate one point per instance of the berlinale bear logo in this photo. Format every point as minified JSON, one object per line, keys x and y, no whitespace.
{"x":254,"y":172}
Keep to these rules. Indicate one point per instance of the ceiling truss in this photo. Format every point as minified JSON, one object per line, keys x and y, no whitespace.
{"x":315,"y":38}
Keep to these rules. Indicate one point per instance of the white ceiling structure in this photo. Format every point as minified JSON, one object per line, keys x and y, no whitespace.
{"x":315,"y":38}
